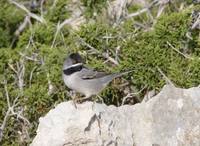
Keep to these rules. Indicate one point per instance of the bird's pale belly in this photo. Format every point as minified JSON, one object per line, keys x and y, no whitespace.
{"x":85,"y":87}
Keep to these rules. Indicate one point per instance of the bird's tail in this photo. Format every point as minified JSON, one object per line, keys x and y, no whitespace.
{"x":110,"y":77}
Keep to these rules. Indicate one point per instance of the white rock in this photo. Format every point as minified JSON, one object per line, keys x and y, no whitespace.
{"x":171,"y":118}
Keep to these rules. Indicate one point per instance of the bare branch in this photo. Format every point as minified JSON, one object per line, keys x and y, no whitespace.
{"x":142,"y":10}
{"x":32,"y":58}
{"x":196,"y":23}
{"x":7,"y":95}
{"x":22,"y":26}
{"x":149,"y":95}
{"x":117,"y":50}
{"x":137,"y":13}
{"x":10,"y":111}
{"x":12,"y":68}
{"x":168,"y":81}
{"x":160,"y":10}
{"x":106,"y":55}
{"x":60,"y":26}
{"x":31,"y":75}
{"x":130,"y":95}
{"x":94,"y":50}
{"x":20,"y":116}
{"x":184,"y":55}
{"x":41,"y":7}
{"x":3,"y":125}
{"x":34,"y":16}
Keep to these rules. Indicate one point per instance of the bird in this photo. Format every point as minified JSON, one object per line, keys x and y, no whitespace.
{"x":84,"y":80}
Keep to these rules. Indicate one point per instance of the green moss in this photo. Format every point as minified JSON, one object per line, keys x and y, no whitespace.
{"x":93,"y":7}
{"x":4,"y":38}
{"x":143,"y":17}
{"x":150,"y":50}
{"x":57,"y":11}
{"x":38,"y":34}
{"x":134,"y":8}
{"x":10,"y":19}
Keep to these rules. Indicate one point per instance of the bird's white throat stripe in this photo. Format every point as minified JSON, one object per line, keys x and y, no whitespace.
{"x":74,"y":65}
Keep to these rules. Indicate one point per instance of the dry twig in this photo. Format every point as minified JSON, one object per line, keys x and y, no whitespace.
{"x":22,"y":25}
{"x":196,"y":23}
{"x":142,"y":10}
{"x":10,"y":111}
{"x":95,"y":51}
{"x":130,"y":95}
{"x":184,"y":55}
{"x":149,"y":95}
{"x":168,"y":81}
{"x":34,"y":16}
{"x":59,"y":27}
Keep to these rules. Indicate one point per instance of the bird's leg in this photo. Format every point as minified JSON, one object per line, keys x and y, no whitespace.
{"x":74,"y":102}
{"x":85,"y":98}
{"x":73,"y":95}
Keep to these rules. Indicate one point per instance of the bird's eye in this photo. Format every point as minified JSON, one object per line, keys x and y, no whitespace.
{"x":74,"y":61}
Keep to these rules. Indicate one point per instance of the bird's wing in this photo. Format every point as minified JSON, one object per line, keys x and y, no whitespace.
{"x":91,"y":74}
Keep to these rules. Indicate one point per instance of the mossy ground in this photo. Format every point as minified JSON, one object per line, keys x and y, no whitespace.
{"x":144,"y":52}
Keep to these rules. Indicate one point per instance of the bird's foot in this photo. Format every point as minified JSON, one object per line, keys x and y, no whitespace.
{"x":81,"y":100}
{"x":74,"y":103}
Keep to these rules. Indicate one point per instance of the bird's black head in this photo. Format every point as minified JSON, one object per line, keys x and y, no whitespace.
{"x":76,"y":58}
{"x":73,"y":63}
{"x":72,"y":59}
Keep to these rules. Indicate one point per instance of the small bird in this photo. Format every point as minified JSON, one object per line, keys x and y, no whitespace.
{"x":85,"y":80}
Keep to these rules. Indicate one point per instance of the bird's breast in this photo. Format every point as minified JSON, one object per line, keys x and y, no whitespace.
{"x":86,"y":87}
{"x":70,"y":81}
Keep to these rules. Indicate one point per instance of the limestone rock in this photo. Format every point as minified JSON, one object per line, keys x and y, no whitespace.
{"x":171,"y":118}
